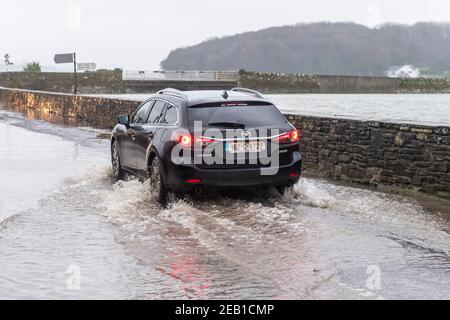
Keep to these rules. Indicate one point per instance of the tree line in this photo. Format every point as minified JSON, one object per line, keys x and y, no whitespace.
{"x":323,"y":48}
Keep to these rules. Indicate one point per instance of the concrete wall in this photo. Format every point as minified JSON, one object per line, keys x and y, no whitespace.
{"x":359,"y":151}
{"x":294,"y":83}
{"x":110,"y":81}
{"x":356,"y":84}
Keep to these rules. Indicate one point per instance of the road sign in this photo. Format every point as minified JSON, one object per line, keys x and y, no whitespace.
{"x":64,"y":58}
{"x":69,"y":58}
{"x":86,"y":66}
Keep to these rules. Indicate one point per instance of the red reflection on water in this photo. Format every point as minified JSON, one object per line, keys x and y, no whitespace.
{"x":186,"y":266}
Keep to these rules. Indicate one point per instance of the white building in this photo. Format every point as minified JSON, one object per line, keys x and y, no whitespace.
{"x":406,"y":71}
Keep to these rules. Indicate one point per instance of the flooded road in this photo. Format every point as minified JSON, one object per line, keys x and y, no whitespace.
{"x":68,"y":231}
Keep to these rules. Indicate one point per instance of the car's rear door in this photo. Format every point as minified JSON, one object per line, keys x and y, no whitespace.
{"x":128,"y":143}
{"x":148,"y":133}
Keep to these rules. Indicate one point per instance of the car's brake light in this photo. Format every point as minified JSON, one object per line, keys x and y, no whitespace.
{"x":185,"y":140}
{"x":188,"y":140}
{"x":203,"y":140}
{"x":193,"y":181}
{"x":292,"y":136}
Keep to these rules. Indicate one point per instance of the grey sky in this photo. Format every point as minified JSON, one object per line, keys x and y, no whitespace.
{"x":135,"y":34}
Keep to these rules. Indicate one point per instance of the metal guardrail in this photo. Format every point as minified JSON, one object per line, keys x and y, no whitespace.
{"x":181,"y":75}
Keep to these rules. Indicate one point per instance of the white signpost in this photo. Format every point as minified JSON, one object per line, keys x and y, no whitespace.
{"x":86,"y":66}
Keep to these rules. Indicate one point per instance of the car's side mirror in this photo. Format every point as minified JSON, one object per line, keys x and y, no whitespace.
{"x":124,"y":119}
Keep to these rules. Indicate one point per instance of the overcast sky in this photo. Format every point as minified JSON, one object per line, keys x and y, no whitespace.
{"x":137,"y":35}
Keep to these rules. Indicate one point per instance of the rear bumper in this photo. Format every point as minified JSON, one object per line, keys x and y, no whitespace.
{"x":176,"y":176}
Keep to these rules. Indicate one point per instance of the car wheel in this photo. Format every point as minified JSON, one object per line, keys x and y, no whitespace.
{"x":286,"y":188}
{"x":117,"y":170}
{"x":157,"y":186}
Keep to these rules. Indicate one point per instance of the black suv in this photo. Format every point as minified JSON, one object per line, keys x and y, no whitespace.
{"x":194,"y":141}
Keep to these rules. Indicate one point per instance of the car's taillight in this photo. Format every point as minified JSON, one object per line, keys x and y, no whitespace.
{"x":292,"y":136}
{"x":193,"y":181}
{"x":203,"y":140}
{"x":185,"y":140}
{"x":189,"y":140}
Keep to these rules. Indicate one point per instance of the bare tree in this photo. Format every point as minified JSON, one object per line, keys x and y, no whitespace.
{"x":8,"y":61}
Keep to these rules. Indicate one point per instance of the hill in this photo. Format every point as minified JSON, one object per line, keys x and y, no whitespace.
{"x":322,"y":48}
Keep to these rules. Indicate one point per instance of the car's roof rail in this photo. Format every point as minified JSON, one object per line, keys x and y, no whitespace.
{"x":173,"y":92}
{"x":249,"y":91}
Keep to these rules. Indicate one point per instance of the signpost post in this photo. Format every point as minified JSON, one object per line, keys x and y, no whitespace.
{"x":75,"y":85}
{"x":69,"y":58}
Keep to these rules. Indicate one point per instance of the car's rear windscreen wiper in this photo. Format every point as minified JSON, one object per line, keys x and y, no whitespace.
{"x":227,"y":125}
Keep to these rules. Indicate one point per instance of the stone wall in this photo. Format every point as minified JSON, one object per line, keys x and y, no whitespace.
{"x":425,"y":85}
{"x":102,"y":81}
{"x":67,"y":109}
{"x":279,"y":83}
{"x":377,"y":152}
{"x":368,"y":152}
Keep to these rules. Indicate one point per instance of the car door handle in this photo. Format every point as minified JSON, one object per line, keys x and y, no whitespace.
{"x":151,"y":135}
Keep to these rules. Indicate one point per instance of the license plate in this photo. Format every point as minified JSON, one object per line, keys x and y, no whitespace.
{"x":240,"y":147}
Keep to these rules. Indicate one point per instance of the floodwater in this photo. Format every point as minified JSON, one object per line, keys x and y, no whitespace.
{"x":68,"y":231}
{"x":426,"y":109}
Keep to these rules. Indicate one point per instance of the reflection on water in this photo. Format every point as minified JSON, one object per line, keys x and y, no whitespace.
{"x":50,"y":116}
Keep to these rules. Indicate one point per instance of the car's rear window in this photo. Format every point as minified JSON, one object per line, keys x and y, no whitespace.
{"x":251,"y":116}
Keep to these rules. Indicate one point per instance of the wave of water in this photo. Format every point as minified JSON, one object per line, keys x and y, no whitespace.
{"x":308,"y":244}
{"x":315,"y":242}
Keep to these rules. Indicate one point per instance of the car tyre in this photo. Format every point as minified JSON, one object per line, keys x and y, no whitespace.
{"x":157,"y":187}
{"x":117,"y":171}
{"x":284,"y":189}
